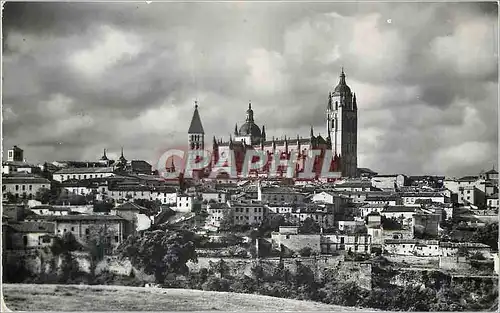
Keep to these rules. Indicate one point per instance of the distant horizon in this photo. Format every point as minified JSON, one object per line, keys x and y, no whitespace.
{"x":80,"y":77}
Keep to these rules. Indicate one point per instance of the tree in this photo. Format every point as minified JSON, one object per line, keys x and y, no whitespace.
{"x":66,"y":243}
{"x":11,"y":198}
{"x":160,"y":252}
{"x":487,"y":235}
{"x":43,"y":195}
{"x":309,"y":226}
{"x":305,"y":252}
{"x":97,"y":243}
{"x":219,"y":268}
{"x":226,"y":224}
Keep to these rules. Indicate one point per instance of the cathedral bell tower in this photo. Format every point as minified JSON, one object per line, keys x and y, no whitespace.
{"x":342,"y":126}
{"x":196,"y":134}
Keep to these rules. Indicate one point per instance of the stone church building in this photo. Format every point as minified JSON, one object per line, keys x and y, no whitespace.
{"x":341,"y":128}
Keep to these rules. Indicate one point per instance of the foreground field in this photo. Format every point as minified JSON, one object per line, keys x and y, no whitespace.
{"x":119,"y":298}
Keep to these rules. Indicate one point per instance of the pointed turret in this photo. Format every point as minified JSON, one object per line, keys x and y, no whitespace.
{"x":236,"y":129}
{"x":122,"y":158}
{"x":312,"y":132}
{"x":329,"y":107}
{"x":263,"y":133}
{"x":196,"y":127}
{"x":196,"y":134}
{"x":354,"y":103}
{"x":214,"y":143}
{"x":104,"y":156}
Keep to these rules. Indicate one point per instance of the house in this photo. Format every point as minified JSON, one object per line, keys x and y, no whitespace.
{"x":410,"y":198}
{"x":428,"y":248}
{"x":425,"y":225}
{"x":186,"y":203}
{"x":25,"y":186}
{"x":336,"y":199}
{"x":137,"y":216}
{"x":400,"y":246}
{"x":139,"y":190}
{"x":373,"y":220}
{"x":289,"y":239}
{"x":320,"y":213}
{"x":351,"y":226}
{"x":492,"y":201}
{"x":15,"y":154}
{"x":279,"y":194}
{"x":81,"y":226}
{"x":247,"y":212}
{"x":457,"y":248}
{"x":355,"y":185}
{"x":28,"y":235}
{"x":399,"y":212}
{"x":471,"y":195}
{"x":348,"y":242}
{"x":213,"y":195}
{"x":389,"y":199}
{"x":369,"y":208}
{"x":83,"y":173}
{"x":490,"y":175}
{"x":50,"y":210}
{"x":388,"y":182}
{"x":218,"y":212}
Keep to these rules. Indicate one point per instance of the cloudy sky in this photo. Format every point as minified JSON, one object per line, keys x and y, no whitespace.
{"x":82,"y":77}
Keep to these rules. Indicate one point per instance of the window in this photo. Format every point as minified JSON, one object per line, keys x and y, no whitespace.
{"x":87,"y":231}
{"x":17,"y":187}
{"x":30,"y":187}
{"x":72,"y":229}
{"x":24,"y":187}
{"x":84,"y":176}
{"x":116,"y":238}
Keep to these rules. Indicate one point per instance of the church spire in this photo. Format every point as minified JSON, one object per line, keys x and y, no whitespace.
{"x":236,"y":129}
{"x":196,"y":127}
{"x":312,"y":132}
{"x":263,"y":132}
{"x":354,"y":103}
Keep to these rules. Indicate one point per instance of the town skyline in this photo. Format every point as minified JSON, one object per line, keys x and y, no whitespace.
{"x":427,"y":95}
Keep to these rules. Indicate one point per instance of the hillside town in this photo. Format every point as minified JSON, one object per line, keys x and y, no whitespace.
{"x":250,"y":206}
{"x":431,"y":223}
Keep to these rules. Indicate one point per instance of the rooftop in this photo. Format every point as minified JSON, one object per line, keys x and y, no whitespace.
{"x":33,"y":227}
{"x":25,"y":180}
{"x":84,"y":170}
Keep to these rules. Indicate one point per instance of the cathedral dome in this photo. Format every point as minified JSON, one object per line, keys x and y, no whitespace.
{"x":251,"y":129}
{"x":342,"y":88}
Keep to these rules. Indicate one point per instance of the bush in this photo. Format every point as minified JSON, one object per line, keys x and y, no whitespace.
{"x":305,"y":252}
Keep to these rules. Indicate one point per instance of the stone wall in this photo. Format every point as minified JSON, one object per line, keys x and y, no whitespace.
{"x":358,"y":272}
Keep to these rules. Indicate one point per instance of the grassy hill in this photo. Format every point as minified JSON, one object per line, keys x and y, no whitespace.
{"x":28,"y":297}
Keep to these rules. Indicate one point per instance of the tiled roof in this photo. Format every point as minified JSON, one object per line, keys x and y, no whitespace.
{"x":25,"y":180}
{"x":33,"y":227}
{"x":398,"y":208}
{"x":468,"y":178}
{"x":85,"y":170}
{"x":421,"y":194}
{"x":447,"y":244}
{"x":128,"y":206}
{"x":400,"y":241}
{"x":79,"y":217}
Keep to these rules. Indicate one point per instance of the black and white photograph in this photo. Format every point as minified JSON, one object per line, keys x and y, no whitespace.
{"x":256,"y":156}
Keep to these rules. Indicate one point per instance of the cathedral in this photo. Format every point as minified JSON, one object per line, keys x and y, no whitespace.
{"x":341,"y":129}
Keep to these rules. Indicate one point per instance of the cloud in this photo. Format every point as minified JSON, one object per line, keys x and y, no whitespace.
{"x":111,"y":47}
{"x":80,"y":77}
